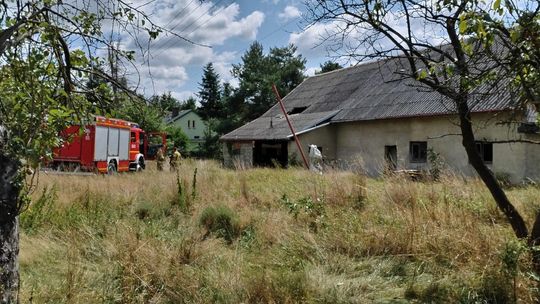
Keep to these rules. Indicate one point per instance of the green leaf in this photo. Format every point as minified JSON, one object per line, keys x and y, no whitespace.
{"x":497,"y":5}
{"x":462,"y":26}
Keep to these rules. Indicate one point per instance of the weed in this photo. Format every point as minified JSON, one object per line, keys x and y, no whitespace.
{"x":432,"y":293}
{"x":493,"y":287}
{"x":194,"y":185}
{"x":220,"y":221}
{"x":359,"y":195}
{"x":436,"y":164}
{"x":143,"y":210}
{"x":39,"y":211}
{"x":184,"y":201}
{"x":313,"y":209}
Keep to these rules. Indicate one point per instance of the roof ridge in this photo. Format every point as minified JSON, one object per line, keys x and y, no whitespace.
{"x":357,"y":65}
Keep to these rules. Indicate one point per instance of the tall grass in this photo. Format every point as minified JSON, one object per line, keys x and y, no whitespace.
{"x":215,"y":235}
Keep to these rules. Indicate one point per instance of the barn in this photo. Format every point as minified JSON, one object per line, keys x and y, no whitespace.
{"x":370,"y":116}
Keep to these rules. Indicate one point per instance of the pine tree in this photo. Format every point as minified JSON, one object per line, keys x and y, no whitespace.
{"x":329,"y":66}
{"x":258,"y":72}
{"x":210,"y":94}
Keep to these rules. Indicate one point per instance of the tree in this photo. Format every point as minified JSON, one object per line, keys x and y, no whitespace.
{"x":258,"y":72}
{"x":47,"y":49}
{"x":136,"y":108}
{"x":211,"y":147}
{"x":210,"y":94}
{"x":329,"y":66}
{"x":178,"y":138}
{"x":482,"y":47}
{"x":189,"y":104}
{"x":234,"y":110}
{"x":164,"y":102}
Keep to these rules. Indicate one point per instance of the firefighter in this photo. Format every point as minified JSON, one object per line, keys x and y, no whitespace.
{"x":175,"y":159}
{"x":160,"y":159}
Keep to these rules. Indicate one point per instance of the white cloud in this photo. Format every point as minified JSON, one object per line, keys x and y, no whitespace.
{"x":183,"y":95}
{"x":290,"y":12}
{"x":337,"y":40}
{"x":311,"y":71}
{"x":223,"y":25}
{"x":312,"y":42}
{"x":173,"y":60}
{"x":223,"y":65}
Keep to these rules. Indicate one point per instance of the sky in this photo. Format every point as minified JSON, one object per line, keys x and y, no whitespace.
{"x":222,"y":30}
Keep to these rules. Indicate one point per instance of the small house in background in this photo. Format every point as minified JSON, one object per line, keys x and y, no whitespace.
{"x":370,"y":116}
{"x":191,"y":124}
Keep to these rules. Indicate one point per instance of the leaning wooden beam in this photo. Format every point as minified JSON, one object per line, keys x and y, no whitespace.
{"x":290,"y":126}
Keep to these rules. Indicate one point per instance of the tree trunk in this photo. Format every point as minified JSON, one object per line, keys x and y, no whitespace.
{"x":10,"y":187}
{"x":504,"y":204}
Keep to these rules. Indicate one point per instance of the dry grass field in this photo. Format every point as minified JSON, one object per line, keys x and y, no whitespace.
{"x":270,"y":236}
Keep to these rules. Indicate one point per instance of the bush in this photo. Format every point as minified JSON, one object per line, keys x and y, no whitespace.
{"x":220,"y":221}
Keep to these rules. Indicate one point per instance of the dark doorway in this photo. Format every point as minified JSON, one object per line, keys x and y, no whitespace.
{"x":270,"y":153}
{"x":390,"y":157}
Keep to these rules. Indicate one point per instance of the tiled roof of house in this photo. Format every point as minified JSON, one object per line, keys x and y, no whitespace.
{"x":368,"y":91}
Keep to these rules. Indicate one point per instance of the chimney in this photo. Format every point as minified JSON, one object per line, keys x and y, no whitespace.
{"x":175,"y":112}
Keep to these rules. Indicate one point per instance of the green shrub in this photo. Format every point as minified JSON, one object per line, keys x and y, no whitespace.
{"x":431,"y":293}
{"x":493,"y":287}
{"x":143,"y":210}
{"x":39,"y":211}
{"x":220,"y":221}
{"x":313,"y":210}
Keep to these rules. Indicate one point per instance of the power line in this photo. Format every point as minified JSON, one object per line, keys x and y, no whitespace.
{"x":168,"y":43}
{"x":215,"y":14}
{"x":214,"y":5}
{"x":180,"y":12}
{"x":280,"y":28}
{"x":183,"y":20}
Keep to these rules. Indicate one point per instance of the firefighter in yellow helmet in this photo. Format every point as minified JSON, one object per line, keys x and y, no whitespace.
{"x":175,"y":159}
{"x":160,"y":159}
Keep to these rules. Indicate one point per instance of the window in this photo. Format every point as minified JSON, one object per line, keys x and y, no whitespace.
{"x":297,"y":110}
{"x":193,"y":124}
{"x":196,"y":137}
{"x":418,"y":151}
{"x":133,"y":137}
{"x":189,"y":124}
{"x":485,"y":149}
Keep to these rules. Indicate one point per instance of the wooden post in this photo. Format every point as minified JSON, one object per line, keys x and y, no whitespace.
{"x":290,"y":126}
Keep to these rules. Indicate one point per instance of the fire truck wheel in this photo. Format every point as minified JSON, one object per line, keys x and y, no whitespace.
{"x":111,"y":168}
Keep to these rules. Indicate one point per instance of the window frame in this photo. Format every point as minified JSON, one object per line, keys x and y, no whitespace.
{"x":422,"y":157}
{"x":481,"y":149}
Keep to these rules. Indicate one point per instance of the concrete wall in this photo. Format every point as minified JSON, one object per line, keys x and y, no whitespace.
{"x":324,"y":137}
{"x":238,"y":154}
{"x":363,"y":144}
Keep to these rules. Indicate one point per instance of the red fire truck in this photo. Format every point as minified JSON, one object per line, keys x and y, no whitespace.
{"x":108,"y":145}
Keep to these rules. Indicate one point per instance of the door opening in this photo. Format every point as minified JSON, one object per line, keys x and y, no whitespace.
{"x":390,"y":157}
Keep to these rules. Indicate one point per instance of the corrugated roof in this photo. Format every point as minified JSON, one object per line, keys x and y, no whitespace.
{"x":169,"y":119}
{"x":276,"y":127}
{"x":368,"y":91}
